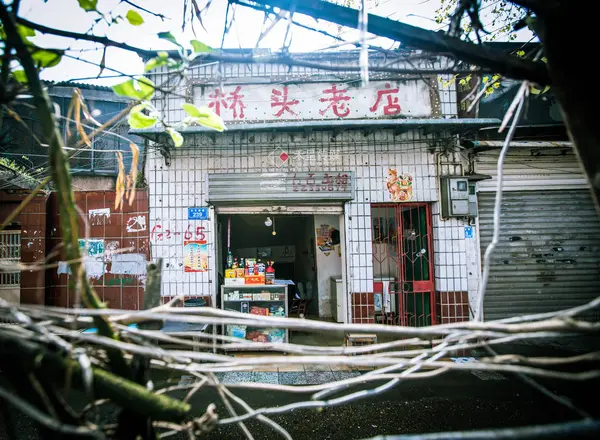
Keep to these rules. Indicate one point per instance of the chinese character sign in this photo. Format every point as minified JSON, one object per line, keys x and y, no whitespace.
{"x":316,"y":101}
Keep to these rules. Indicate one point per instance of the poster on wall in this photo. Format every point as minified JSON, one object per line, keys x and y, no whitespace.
{"x":399,"y":186}
{"x":324,"y":239}
{"x":195,"y":256}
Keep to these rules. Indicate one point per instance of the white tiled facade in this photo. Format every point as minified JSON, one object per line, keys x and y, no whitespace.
{"x":181,"y":185}
{"x":368,"y":154}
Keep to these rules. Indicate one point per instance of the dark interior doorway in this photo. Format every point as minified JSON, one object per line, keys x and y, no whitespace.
{"x":292,"y":247}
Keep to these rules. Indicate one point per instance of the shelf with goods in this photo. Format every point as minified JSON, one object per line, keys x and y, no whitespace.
{"x":263,"y":300}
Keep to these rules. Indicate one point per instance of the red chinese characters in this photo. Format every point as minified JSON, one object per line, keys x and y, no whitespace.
{"x":342,"y":181}
{"x":313,"y":182}
{"x":337,"y":102}
{"x":157,"y":233}
{"x":391,"y":108}
{"x":280,"y":99}
{"x":232,"y":101}
{"x":327,"y":182}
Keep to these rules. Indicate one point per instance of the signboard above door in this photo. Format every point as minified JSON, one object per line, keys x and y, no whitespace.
{"x":317,"y":101}
{"x":279,"y":187}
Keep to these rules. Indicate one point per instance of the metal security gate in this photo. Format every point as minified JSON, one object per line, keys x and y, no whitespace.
{"x":548,"y":256}
{"x":403,"y":264}
{"x":10,"y":255}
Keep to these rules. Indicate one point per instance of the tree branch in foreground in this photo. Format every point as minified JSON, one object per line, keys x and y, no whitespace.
{"x":87,"y":37}
{"x":413,"y":36}
{"x":36,"y":357}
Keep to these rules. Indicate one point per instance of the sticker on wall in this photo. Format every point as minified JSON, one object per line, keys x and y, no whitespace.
{"x":99,"y":216}
{"x":399,"y":186}
{"x":324,"y":241}
{"x":195,"y":256}
{"x":468,"y":231}
{"x":93,"y":246}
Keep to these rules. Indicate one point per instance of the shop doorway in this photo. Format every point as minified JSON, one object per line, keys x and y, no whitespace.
{"x":287,"y":240}
{"x":403,"y":264}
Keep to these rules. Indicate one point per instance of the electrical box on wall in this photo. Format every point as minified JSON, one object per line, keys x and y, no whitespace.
{"x":472,"y":200}
{"x":456,"y":199}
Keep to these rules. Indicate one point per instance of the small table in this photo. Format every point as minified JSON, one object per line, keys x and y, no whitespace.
{"x":185,"y":327}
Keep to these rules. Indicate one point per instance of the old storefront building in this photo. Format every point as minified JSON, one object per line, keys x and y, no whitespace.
{"x":337,"y":184}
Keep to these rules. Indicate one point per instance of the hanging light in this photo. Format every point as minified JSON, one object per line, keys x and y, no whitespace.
{"x":274,"y":233}
{"x":268,"y":222}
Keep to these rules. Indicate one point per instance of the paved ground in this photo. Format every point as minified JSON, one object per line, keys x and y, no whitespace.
{"x":457,"y":401}
{"x":454,"y":401}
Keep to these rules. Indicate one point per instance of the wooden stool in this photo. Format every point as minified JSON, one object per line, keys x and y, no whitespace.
{"x":358,"y":339}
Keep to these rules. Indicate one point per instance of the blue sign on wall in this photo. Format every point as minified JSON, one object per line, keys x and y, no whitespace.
{"x":198,"y":213}
{"x":468,"y":231}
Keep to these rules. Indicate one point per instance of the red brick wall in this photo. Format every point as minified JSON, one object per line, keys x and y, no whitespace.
{"x":123,"y":291}
{"x":452,"y":307}
{"x":363,"y":308}
{"x":32,"y":221}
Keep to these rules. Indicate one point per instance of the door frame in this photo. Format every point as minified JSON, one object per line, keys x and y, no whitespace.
{"x":418,"y":286}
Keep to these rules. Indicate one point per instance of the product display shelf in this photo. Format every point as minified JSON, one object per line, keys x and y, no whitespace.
{"x":257,"y":299}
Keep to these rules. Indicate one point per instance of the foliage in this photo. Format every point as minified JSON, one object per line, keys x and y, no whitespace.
{"x":134,"y":18}
{"x":499,"y":18}
{"x":20,"y":170}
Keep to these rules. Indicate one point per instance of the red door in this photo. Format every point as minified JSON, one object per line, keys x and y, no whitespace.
{"x":403,"y":264}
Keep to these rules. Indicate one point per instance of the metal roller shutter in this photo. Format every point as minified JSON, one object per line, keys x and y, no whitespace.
{"x":548,"y":256}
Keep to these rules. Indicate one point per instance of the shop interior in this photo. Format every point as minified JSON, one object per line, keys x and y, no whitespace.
{"x":290,"y":245}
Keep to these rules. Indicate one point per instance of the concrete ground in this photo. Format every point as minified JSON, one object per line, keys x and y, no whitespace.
{"x":454,"y":401}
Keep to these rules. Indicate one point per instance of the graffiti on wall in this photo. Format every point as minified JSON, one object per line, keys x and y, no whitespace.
{"x":399,"y":186}
{"x":191,"y":233}
{"x":137,"y":223}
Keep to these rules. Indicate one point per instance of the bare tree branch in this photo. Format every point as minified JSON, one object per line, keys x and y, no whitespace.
{"x":86,"y":37}
{"x":481,"y":55}
{"x":130,"y":3}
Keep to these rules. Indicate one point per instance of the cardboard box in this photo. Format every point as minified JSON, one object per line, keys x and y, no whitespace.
{"x":230,"y":273}
{"x":240,"y":273}
{"x":255,"y":279}
{"x":235,"y":281}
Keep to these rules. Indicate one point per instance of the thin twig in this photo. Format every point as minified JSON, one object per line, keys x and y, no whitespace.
{"x":487,"y":257}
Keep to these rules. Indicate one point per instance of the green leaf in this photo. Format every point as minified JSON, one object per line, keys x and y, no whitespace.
{"x":141,"y":88}
{"x":200,"y":47}
{"x":169,"y":37}
{"x":134,"y":18}
{"x":88,"y":5}
{"x":20,"y":76}
{"x":161,"y":60}
{"x":196,"y":112}
{"x":46,"y":58}
{"x":25,"y":32}
{"x":204,"y":116}
{"x":176,"y":136}
{"x":138,"y":119}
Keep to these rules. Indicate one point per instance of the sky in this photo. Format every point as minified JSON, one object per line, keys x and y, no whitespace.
{"x":246,"y":29}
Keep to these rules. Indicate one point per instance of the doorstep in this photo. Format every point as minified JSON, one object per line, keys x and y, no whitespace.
{"x":300,"y":374}
{"x":310,"y":368}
